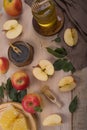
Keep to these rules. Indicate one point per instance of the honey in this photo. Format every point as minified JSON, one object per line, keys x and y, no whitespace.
{"x":44,"y":13}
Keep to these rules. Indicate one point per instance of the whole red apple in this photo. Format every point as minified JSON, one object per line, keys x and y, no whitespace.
{"x":4,"y":65}
{"x":32,"y":103}
{"x":20,"y":80}
{"x":13,"y":7}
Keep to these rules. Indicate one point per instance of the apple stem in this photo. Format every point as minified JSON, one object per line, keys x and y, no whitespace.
{"x":38,"y":109}
{"x":30,"y":103}
{"x":10,"y":0}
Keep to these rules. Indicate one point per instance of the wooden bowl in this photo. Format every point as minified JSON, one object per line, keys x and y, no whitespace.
{"x":18,"y":106}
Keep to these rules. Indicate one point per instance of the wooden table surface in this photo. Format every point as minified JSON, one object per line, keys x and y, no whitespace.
{"x":39,"y":43}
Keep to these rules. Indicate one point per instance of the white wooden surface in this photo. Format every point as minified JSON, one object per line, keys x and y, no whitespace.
{"x":39,"y":43}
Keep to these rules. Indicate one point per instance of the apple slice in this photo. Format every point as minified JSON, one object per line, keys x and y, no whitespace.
{"x":43,"y":70}
{"x":71,"y":36}
{"x":47,"y":67}
{"x":10,"y":24}
{"x":67,"y":84}
{"x":39,"y":74}
{"x":15,"y":32}
{"x":12,"y":29}
{"x":67,"y":87}
{"x":52,"y":120}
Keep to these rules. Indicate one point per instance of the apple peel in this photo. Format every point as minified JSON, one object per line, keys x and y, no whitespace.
{"x":4,"y":65}
{"x":32,"y":103}
{"x":20,"y":80}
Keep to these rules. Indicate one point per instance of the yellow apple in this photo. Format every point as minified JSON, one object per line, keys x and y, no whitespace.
{"x":13,"y":7}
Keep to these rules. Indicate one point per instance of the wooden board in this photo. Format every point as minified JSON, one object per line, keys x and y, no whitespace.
{"x":39,"y":43}
{"x":80,"y":116}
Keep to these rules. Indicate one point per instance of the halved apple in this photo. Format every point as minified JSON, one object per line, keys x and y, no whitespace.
{"x":13,"y":29}
{"x":67,"y":84}
{"x":52,"y":120}
{"x":10,"y":24}
{"x":13,"y":33}
{"x":71,"y":36}
{"x":43,"y":70}
{"x":39,"y":74}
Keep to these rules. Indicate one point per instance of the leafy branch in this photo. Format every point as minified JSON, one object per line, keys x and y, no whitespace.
{"x":12,"y":93}
{"x":58,"y":52}
{"x":61,"y":63}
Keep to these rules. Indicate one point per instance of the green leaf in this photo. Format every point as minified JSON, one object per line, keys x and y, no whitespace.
{"x":1,"y":92}
{"x":58,"y":39}
{"x":63,"y":64}
{"x":71,"y":67}
{"x":21,"y":94}
{"x":58,"y":64}
{"x":38,"y":109}
{"x":13,"y":95}
{"x":68,"y":67}
{"x":59,"y":52}
{"x":9,"y":85}
{"x":73,"y":105}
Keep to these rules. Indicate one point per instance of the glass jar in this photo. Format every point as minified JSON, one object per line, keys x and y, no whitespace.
{"x":44,"y":13}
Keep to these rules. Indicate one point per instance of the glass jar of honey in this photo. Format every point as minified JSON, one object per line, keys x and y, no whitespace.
{"x":44,"y":13}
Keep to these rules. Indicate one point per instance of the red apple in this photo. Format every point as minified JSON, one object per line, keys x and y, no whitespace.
{"x":13,"y":7}
{"x":20,"y":80}
{"x":4,"y":65}
{"x":32,"y":103}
